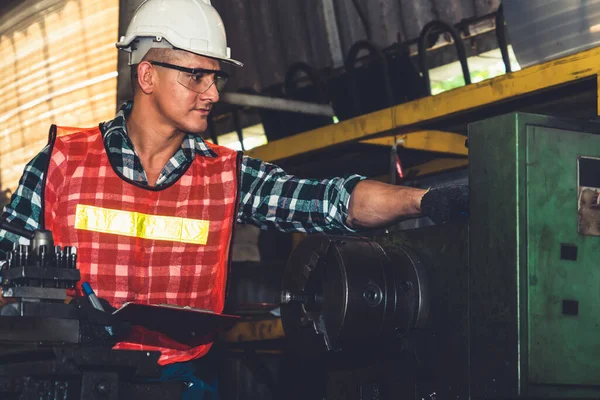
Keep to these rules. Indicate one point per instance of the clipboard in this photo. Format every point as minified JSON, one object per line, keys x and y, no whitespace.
{"x":190,"y":326}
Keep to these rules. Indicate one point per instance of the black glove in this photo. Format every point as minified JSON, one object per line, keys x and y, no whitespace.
{"x":446,"y":203}
{"x":92,"y":322}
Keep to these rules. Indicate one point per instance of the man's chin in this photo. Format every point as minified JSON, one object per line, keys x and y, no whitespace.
{"x":197,"y":127}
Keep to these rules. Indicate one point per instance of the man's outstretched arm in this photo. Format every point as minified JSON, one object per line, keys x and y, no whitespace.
{"x":374,"y":204}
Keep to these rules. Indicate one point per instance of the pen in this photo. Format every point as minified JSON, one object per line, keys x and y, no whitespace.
{"x":87,"y":289}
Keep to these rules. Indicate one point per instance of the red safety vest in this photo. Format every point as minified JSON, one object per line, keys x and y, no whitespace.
{"x":168,"y":245}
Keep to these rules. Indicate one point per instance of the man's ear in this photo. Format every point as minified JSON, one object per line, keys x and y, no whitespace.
{"x":145,"y":77}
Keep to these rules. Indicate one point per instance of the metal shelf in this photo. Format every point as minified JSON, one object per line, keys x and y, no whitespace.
{"x":509,"y":92}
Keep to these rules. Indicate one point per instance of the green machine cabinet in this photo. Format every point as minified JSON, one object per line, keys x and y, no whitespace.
{"x":534,"y":258}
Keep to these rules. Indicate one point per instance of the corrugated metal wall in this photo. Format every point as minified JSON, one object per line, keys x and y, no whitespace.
{"x":58,"y":65}
{"x":270,"y":35}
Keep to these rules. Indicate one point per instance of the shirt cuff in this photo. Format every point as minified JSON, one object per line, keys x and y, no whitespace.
{"x":348,"y":186}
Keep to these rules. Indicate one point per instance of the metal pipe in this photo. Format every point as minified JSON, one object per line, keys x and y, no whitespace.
{"x":274,"y":103}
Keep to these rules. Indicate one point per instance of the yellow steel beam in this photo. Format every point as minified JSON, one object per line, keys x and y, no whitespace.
{"x":254,"y":330}
{"x":437,"y":141}
{"x":404,"y":116}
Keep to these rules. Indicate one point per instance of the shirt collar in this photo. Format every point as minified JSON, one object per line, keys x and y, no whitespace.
{"x":193,"y":143}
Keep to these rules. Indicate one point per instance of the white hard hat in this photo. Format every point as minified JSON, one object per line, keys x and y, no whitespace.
{"x":190,"y":25}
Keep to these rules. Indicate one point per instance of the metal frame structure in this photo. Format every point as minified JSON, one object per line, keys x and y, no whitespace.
{"x":467,"y":103}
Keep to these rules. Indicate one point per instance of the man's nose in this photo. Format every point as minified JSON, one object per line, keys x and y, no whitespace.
{"x":211,"y":94}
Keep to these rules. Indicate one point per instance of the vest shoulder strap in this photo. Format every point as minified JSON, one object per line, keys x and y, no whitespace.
{"x":63,"y":131}
{"x":221,"y":150}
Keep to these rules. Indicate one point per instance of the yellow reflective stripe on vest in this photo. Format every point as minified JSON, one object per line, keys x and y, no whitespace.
{"x":154,"y":227}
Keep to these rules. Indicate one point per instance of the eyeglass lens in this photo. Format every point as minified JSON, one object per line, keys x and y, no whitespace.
{"x":201,"y":81}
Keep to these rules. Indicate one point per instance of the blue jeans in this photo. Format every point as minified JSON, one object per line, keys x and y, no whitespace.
{"x":196,"y":388}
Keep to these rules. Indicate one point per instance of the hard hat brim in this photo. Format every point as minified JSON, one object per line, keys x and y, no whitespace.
{"x":125,"y":45}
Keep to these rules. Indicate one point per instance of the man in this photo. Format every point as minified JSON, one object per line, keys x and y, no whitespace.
{"x":151,"y":207}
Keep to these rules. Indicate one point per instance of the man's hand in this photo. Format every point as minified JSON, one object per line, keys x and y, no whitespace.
{"x":93,"y":322}
{"x":446,"y":203}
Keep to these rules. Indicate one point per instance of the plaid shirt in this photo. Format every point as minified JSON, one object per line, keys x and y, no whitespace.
{"x":269,"y":197}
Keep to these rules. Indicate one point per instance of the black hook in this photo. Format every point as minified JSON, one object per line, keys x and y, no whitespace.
{"x":313,"y":76}
{"x":350,"y":65}
{"x":441,"y":26}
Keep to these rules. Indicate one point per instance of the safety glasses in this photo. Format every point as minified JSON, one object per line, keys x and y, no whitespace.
{"x":198,"y":80}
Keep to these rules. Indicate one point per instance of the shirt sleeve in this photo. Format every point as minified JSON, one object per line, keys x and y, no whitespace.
{"x":270,"y":198}
{"x":25,"y":205}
